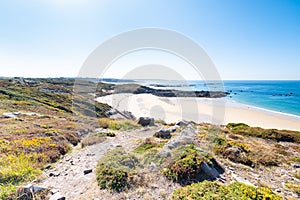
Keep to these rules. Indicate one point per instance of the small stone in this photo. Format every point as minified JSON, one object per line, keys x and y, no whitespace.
{"x":54,"y":174}
{"x":153,"y":166}
{"x":53,"y":191}
{"x":87,"y":171}
{"x":295,"y":166}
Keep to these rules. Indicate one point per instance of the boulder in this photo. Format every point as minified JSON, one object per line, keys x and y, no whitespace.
{"x":172,"y":129}
{"x":10,"y":115}
{"x":146,"y":121}
{"x":172,"y":144}
{"x":29,"y":190}
{"x":182,"y":123}
{"x":163,"y":133}
{"x":210,"y":172}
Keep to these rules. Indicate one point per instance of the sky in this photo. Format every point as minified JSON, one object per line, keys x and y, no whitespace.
{"x":246,"y":39}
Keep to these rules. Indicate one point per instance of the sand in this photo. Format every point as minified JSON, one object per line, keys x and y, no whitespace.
{"x":216,"y":111}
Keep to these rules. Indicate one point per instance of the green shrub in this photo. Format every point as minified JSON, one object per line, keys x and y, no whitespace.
{"x":16,"y":169}
{"x":153,"y":156}
{"x":114,"y":169}
{"x":143,"y":148}
{"x":148,"y":144}
{"x":7,"y":191}
{"x":188,"y":167}
{"x":207,"y":190}
{"x":112,"y":178}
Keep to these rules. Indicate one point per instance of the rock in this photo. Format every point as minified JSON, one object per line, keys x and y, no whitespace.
{"x":10,"y":115}
{"x":163,"y":133}
{"x":53,"y":191}
{"x":172,"y":144}
{"x":182,"y":123}
{"x":57,"y":196}
{"x":87,"y":171}
{"x":186,"y":136}
{"x":153,"y":166}
{"x":54,"y":174}
{"x":295,"y":166}
{"x":146,"y":121}
{"x":210,"y":172}
{"x":173,"y":128}
{"x":28,"y":190}
{"x":165,"y":154}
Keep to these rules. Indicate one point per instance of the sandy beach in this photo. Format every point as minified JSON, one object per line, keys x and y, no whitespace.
{"x":216,"y":111}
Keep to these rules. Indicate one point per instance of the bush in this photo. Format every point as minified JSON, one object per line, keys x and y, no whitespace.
{"x":111,"y":178}
{"x":7,"y":191}
{"x":188,"y":168}
{"x":207,"y":190}
{"x":114,"y":169}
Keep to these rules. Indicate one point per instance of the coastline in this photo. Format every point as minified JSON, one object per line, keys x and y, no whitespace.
{"x":210,"y":110}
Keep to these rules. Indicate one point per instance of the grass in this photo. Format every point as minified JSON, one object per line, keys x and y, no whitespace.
{"x":272,"y":134}
{"x":17,"y":169}
{"x":294,"y":187}
{"x":214,"y":191}
{"x":149,"y":144}
{"x":113,"y":124}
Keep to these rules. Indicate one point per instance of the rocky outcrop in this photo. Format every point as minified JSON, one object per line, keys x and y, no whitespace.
{"x":163,"y":133}
{"x":138,"y":89}
{"x":146,"y":121}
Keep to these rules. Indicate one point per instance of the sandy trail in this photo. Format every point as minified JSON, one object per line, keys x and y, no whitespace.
{"x":68,"y":174}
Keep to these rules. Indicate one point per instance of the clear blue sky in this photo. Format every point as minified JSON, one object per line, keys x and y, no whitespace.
{"x":246,"y":39}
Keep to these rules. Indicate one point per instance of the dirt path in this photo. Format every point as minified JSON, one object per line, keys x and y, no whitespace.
{"x":67,"y":178}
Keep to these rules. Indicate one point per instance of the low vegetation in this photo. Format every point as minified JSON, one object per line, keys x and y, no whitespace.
{"x":189,"y":166}
{"x":112,"y":124}
{"x":272,"y":134}
{"x":44,"y":128}
{"x":149,"y":144}
{"x":207,"y":190}
{"x":115,"y":169}
{"x":294,"y":187}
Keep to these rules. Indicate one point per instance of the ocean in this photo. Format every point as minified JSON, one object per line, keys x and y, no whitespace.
{"x":279,"y":96}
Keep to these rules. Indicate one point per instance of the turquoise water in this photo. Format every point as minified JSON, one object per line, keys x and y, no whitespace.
{"x":280,"y":96}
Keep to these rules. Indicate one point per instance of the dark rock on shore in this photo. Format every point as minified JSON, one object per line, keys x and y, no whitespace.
{"x":138,"y":89}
